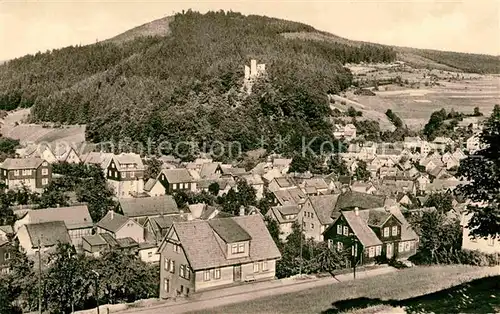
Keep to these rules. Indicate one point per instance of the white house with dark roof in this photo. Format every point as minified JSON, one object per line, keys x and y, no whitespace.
{"x":77,"y":220}
{"x":317,"y":214}
{"x":44,"y":236}
{"x":120,"y":227}
{"x":125,"y":174}
{"x":199,"y":255}
{"x":285,"y":216}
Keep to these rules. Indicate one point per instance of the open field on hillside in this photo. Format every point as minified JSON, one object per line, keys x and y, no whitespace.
{"x":12,"y":126}
{"x":415,"y":106}
{"x":402,"y":285}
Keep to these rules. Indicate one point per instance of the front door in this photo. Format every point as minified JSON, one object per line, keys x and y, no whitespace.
{"x":237,"y":273}
{"x":389,"y":250}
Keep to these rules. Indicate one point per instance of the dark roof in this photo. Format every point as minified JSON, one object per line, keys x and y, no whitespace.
{"x":203,"y":251}
{"x":229,"y":230}
{"x":180,"y":175}
{"x":112,"y":221}
{"x":127,"y":242}
{"x":21,"y":163}
{"x":94,"y":240}
{"x":109,"y":239}
{"x":75,"y":217}
{"x":149,"y":184}
{"x":352,"y":199}
{"x":324,"y":205}
{"x":377,"y":217}
{"x":345,"y":179}
{"x":148,"y":206}
{"x":49,"y":233}
{"x":360,"y":228}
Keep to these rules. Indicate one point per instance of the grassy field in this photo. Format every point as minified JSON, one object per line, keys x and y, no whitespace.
{"x":413,"y":287}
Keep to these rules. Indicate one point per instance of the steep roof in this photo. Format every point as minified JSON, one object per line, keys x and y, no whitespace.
{"x":229,"y":230}
{"x":180,"y":175}
{"x":352,"y":199}
{"x":208,"y":169}
{"x":21,"y":163}
{"x":324,"y":205}
{"x":377,"y":218}
{"x":407,"y":232}
{"x":49,"y":233}
{"x":112,"y":221}
{"x":148,"y":206}
{"x":360,"y":228}
{"x":150,"y":184}
{"x":203,"y":251}
{"x":75,"y":217}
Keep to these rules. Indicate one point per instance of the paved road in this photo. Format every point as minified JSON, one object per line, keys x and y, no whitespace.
{"x":245,"y":295}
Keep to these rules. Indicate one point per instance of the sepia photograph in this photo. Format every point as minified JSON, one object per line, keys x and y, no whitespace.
{"x":249,"y":156}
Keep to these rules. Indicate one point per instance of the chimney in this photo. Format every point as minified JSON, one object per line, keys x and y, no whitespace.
{"x":356,"y":211}
{"x":253,"y":67}
{"x":242,"y":210}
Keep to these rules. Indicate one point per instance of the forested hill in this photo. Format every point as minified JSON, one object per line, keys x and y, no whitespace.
{"x":188,"y":84}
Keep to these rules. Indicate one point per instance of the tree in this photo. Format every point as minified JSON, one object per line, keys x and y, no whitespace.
{"x":153,"y":168}
{"x":329,"y":259}
{"x":482,"y":170}
{"x":53,"y":196}
{"x":244,"y":195}
{"x":214,"y":188}
{"x":477,"y":113}
{"x":274,"y":230}
{"x":441,"y":201}
{"x":337,"y":165}
{"x":266,"y":202}
{"x":361,"y":173}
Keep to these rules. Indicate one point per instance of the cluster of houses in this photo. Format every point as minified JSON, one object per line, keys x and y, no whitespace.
{"x":201,"y":247}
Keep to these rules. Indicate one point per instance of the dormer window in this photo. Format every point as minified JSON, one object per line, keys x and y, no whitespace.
{"x":237,"y":248}
{"x":395,"y":230}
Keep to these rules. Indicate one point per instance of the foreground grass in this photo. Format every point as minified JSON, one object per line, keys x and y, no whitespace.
{"x":380,"y":292}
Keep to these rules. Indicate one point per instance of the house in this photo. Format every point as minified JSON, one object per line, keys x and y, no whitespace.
{"x":199,"y":255}
{"x":412,"y":143}
{"x":388,"y":172}
{"x":4,"y":256}
{"x":120,"y":227}
{"x":96,"y":244}
{"x":474,"y":144}
{"x":157,"y":227}
{"x":202,"y":211}
{"x":33,"y":173}
{"x":488,"y":245}
{"x":148,"y":252}
{"x":37,"y":151}
{"x":211,"y":170}
{"x":44,"y":236}
{"x":66,"y":153}
{"x":281,"y":183}
{"x":174,"y":180}
{"x":422,"y":180}
{"x":6,"y":232}
{"x":153,"y":187}
{"x":77,"y":220}
{"x":439,"y":173}
{"x":285,"y":216}
{"x":394,"y":185}
{"x":349,"y":131}
{"x":317,"y":214}
{"x":452,"y":163}
{"x":441,"y":143}
{"x":318,"y":185}
{"x":141,"y":208}
{"x":225,"y":184}
{"x":443,"y":185}
{"x":255,"y":181}
{"x":125,"y":174}
{"x":293,"y":196}
{"x":404,"y":199}
{"x":373,"y":232}
{"x":363,"y":187}
{"x":282,"y":164}
{"x":459,"y":154}
{"x":351,"y":199}
{"x":96,"y":158}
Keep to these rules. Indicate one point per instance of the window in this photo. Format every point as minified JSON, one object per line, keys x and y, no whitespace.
{"x":166,"y":285}
{"x":378,"y":250}
{"x":217,"y":273}
{"x":241,"y":248}
{"x":339,"y":229}
{"x":7,"y":256}
{"x":45,"y":171}
{"x":330,"y":243}
{"x":16,"y":172}
{"x":109,"y":173}
{"x":312,"y":215}
{"x":346,"y":230}
{"x":407,"y":246}
{"x":206,"y":275}
{"x":340,"y":246}
{"x":234,"y":248}
{"x":172,"y":267}
{"x":256,"y":267}
{"x":412,"y":245}
{"x":45,"y":181}
{"x":166,"y":264}
{"x":182,"y":289}
{"x":182,"y":271}
{"x":150,"y":254}
{"x":490,"y":241}
{"x":188,"y":272}
{"x":386,"y":232}
{"x":401,"y":247}
{"x":187,"y":291}
{"x":371,"y":252}
{"x":264,"y":266}
{"x":176,"y":248}
{"x":174,"y":186}
{"x":395,"y":230}
{"x":312,"y":226}
{"x":303,"y":224}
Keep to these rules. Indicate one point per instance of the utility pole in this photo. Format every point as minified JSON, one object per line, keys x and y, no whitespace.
{"x":96,"y":289}
{"x":354,"y":254}
{"x":39,"y":276}
{"x":301,"y":232}
{"x":71,"y":282}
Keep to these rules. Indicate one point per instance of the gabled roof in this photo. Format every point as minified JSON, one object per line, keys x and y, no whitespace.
{"x":407,"y":232}
{"x":208,"y":169}
{"x":180,"y":175}
{"x":234,"y":171}
{"x":112,"y":221}
{"x":148,"y":206}
{"x":165,"y":222}
{"x":124,"y":162}
{"x":292,"y":196}
{"x":49,"y":233}
{"x":75,"y":217}
{"x":21,"y":163}
{"x":360,"y":228}
{"x":229,"y":230}
{"x":377,"y":218}
{"x":95,"y":158}
{"x":203,"y":251}
{"x":324,"y":205}
{"x":150,"y":184}
{"x":352,"y":199}
{"x":288,"y":209}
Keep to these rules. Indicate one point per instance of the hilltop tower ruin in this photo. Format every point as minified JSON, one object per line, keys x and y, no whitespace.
{"x":252,"y":73}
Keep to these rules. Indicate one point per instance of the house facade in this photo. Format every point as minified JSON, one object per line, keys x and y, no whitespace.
{"x":125,"y":174}
{"x":120,"y":227}
{"x":488,"y":245}
{"x":174,"y":180}
{"x":199,"y":255}
{"x":33,"y":173}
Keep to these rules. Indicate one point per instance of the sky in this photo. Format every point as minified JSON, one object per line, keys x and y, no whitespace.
{"x":28,"y":26}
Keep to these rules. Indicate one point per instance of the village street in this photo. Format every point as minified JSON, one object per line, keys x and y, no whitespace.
{"x":211,"y":299}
